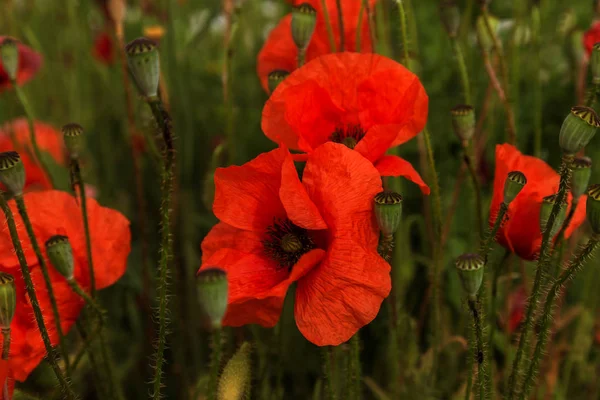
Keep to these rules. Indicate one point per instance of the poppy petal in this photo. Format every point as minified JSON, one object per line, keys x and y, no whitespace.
{"x":376,"y":142}
{"x":30,"y":62}
{"x":224,"y":236}
{"x":396,"y":166}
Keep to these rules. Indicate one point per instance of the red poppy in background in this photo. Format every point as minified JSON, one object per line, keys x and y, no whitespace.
{"x":521,"y":233}
{"x":517,"y":300}
{"x":280,"y":53}
{"x":52,"y":213}
{"x":29,"y":63}
{"x":320,"y":232}
{"x":49,"y":140}
{"x":104,"y":49}
{"x":366,"y":101}
{"x":591,"y":37}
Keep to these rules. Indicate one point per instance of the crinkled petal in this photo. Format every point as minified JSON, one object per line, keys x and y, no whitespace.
{"x":224,"y":236}
{"x":376,"y":142}
{"x":396,"y":166}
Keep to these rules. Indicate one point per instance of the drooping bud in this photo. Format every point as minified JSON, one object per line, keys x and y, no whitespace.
{"x":9,"y":55}
{"x":515,"y":182}
{"x":463,"y":121}
{"x":388,"y":211}
{"x":8,"y":299}
{"x":213,"y":291}
{"x":578,"y":129}
{"x":470,"y":269}
{"x":593,"y":207}
{"x":486,"y":41}
{"x":546,"y":210}
{"x":595,"y":64}
{"x":60,"y":254}
{"x":304,"y":20}
{"x":144,"y":65}
{"x":12,"y":172}
{"x":275,"y":78}
{"x":236,"y":375}
{"x":450,"y":15}
{"x":73,"y":137}
{"x":582,"y":170}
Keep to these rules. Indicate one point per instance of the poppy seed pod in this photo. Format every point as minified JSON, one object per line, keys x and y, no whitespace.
{"x":9,"y":55}
{"x":236,"y":375}
{"x":582,"y":170}
{"x":144,"y":65}
{"x":593,"y":207}
{"x":595,"y":64}
{"x":8,"y":299}
{"x":463,"y":121}
{"x":73,"y":137}
{"x":275,"y":78}
{"x":450,"y":15}
{"x":485,"y":40}
{"x":388,"y":211}
{"x":12,"y":172}
{"x":546,"y":210}
{"x":578,"y":129}
{"x":60,"y":253}
{"x":470,"y":269}
{"x":515,"y":182}
{"x":213,"y":292}
{"x":304,"y":20}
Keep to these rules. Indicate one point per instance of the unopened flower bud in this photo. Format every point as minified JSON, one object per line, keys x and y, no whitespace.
{"x":144,"y":65}
{"x":546,"y":210}
{"x":60,"y":255}
{"x":236,"y":375}
{"x":470,"y":270}
{"x":9,"y":55}
{"x":12,"y":172}
{"x":515,"y":182}
{"x":8,"y":299}
{"x":388,"y":211}
{"x":213,"y":292}
{"x":578,"y":129}
{"x":463,"y":121}
{"x":595,"y":64}
{"x":73,"y":137}
{"x":450,"y":15}
{"x":593,"y":207}
{"x":486,"y":41}
{"x":582,"y":170}
{"x":304,"y":20}
{"x":275,"y":78}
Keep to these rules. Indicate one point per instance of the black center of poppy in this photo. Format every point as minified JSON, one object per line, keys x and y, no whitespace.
{"x":348,"y":135}
{"x":286,"y":243}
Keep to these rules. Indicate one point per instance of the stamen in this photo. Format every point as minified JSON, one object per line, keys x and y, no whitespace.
{"x":286,"y":243}
{"x":348,"y":135}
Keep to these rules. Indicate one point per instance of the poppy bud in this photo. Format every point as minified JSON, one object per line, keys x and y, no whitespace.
{"x":463,"y":121}
{"x":304,"y":20}
{"x":275,"y":78}
{"x":8,"y":299}
{"x":582,"y":170}
{"x":546,"y":209}
{"x":450,"y":17}
{"x":485,"y":40}
{"x":213,"y":291}
{"x":515,"y":182}
{"x":73,"y":136}
{"x":60,"y":255}
{"x":595,"y":64}
{"x":12,"y":172}
{"x":388,"y":211}
{"x":144,"y":65}
{"x":236,"y":375}
{"x":9,"y":55}
{"x":593,"y":207}
{"x":578,"y":129}
{"x":470,"y":269}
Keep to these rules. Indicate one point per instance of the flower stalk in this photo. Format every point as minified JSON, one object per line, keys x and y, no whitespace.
{"x":215,"y":363}
{"x":480,"y":349}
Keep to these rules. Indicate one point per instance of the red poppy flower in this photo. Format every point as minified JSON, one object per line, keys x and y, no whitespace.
{"x":4,"y":376}
{"x":320,"y":232}
{"x":367,"y":101}
{"x":517,"y":301}
{"x":29,"y":63}
{"x":591,"y":37}
{"x":521,"y":233}
{"x":104,"y":49}
{"x":280,"y":52}
{"x":52,"y":213}
{"x":49,"y":140}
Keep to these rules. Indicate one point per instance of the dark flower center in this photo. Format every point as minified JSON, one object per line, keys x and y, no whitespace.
{"x":348,"y":135}
{"x":286,"y":243}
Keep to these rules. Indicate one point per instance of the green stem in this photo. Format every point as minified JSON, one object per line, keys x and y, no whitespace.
{"x":403,"y":33}
{"x":44,"y":267}
{"x":329,"y":27}
{"x":5,"y":343}
{"x":100,"y":382}
{"x":328,"y":374}
{"x":215,"y":364}
{"x":357,"y":44}
{"x":537,"y":90}
{"x":37,"y":311}
{"x":476,"y":188}
{"x":462,"y":69}
{"x":575,"y":265}
{"x":481,"y":350}
{"x":301,"y":57}
{"x":371,"y":25}
{"x":355,"y":383}
{"x":470,"y":360}
{"x":494,"y":301}
{"x":485,"y":248}
{"x":340,"y":15}
{"x":87,"y":298}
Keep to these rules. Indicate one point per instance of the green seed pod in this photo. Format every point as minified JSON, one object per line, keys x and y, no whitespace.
{"x":485,"y":40}
{"x":9,"y":55}
{"x":304,"y":20}
{"x":60,"y":254}
{"x":388,"y":211}
{"x":578,"y":129}
{"x":463,"y":121}
{"x":144,"y":65}
{"x":8,"y":299}
{"x":12,"y":172}
{"x":73,"y":136}
{"x":470,"y":269}
{"x":593,"y":207}
{"x":213,"y":291}
{"x":546,"y":210}
{"x":275,"y":78}
{"x":450,"y":15}
{"x":236,"y":375}
{"x":582,"y":170}
{"x":515,"y":182}
{"x":595,"y":64}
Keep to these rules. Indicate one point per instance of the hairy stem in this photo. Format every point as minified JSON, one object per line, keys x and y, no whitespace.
{"x":215,"y":364}
{"x":486,"y":242}
{"x":5,"y":343}
{"x":403,"y":33}
{"x":480,"y":350}
{"x":476,"y":188}
{"x":462,"y":69}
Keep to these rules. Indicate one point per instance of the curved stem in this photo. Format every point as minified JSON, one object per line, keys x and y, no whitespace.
{"x":462,"y":69}
{"x":477,"y":189}
{"x":403,"y":33}
{"x":486,"y":242}
{"x":215,"y":364}
{"x":328,"y":26}
{"x":87,"y":298}
{"x":493,"y":301}
{"x":481,"y":350}
{"x":5,"y":343}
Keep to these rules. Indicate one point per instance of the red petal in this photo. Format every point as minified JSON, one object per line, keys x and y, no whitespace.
{"x":30,"y":62}
{"x":396,"y":166}
{"x":578,"y":218}
{"x":223,"y":236}
{"x":376,"y":142}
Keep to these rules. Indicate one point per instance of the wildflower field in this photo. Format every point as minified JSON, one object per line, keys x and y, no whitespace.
{"x":299,"y":199}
